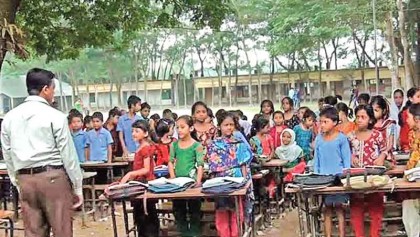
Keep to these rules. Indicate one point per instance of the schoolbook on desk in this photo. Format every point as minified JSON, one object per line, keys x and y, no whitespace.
{"x":127,"y":190}
{"x":223,"y":185}
{"x":164,"y":185}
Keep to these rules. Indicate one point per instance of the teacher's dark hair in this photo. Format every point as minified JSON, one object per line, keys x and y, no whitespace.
{"x":37,"y":79}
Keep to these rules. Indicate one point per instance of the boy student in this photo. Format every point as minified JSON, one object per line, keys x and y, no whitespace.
{"x":124,"y":126}
{"x":79,"y":136}
{"x":167,"y":114}
{"x":99,"y":141}
{"x":363,"y":99}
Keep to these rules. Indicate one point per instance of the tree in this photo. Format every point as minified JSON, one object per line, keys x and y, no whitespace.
{"x":60,"y":29}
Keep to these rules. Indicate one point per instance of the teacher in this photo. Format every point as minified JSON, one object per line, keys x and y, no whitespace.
{"x":40,"y":158}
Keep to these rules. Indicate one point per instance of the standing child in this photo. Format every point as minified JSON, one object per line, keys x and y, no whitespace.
{"x":261,"y":142}
{"x":290,"y":118}
{"x":267,"y":110}
{"x":111,"y":125}
{"x":413,"y":97}
{"x":124,"y":126}
{"x":228,"y":157}
{"x":344,"y":113}
{"x":79,"y":136}
{"x":206,"y":131}
{"x":187,"y":160}
{"x":292,"y":153}
{"x":164,"y":132}
{"x":305,"y":133}
{"x":363,"y":99}
{"x":87,"y":123}
{"x":385,"y":125}
{"x":321,"y":102}
{"x":332,"y":155}
{"x":275,"y":132}
{"x":99,"y":141}
{"x":145,"y":111}
{"x":411,"y":205}
{"x":147,"y":224}
{"x":396,"y":107}
{"x":368,"y":148}
{"x":167,"y":114}
{"x":301,"y":112}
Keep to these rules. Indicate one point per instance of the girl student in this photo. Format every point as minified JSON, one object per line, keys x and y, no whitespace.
{"x":277,"y":129}
{"x":205,"y":130}
{"x":290,"y":151}
{"x":290,"y":118}
{"x":186,"y":160}
{"x":267,"y":110}
{"x":301,"y":111}
{"x":413,"y":97}
{"x":228,"y":157}
{"x":261,"y":142}
{"x":395,"y":108}
{"x":368,"y":148}
{"x":411,"y":202}
{"x":305,"y":133}
{"x":164,"y":133}
{"x":143,"y":171}
{"x":332,"y":155}
{"x":385,"y":125}
{"x":344,"y":113}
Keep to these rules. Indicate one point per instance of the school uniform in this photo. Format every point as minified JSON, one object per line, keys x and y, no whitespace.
{"x":124,"y":126}
{"x":39,"y":152}
{"x":79,"y":139}
{"x":98,"y":142}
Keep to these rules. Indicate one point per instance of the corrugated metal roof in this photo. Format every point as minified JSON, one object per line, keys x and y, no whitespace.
{"x":16,"y":87}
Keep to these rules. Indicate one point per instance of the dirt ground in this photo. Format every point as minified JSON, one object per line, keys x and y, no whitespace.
{"x":288,"y":226}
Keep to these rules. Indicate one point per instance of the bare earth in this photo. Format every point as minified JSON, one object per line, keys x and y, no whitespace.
{"x":288,"y":226}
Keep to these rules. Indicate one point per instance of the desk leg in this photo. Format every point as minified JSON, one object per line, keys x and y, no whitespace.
{"x":238,"y":216}
{"x":114,"y":221}
{"x":93,"y":194}
{"x":15,"y":194}
{"x":127,"y":229}
{"x":300,"y":216}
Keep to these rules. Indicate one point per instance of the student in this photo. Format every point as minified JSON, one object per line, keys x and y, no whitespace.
{"x":321,"y":102}
{"x":301,"y":112}
{"x":332,"y":155}
{"x":411,"y":206}
{"x":385,"y":125}
{"x":175,"y":116}
{"x":275,"y":132}
{"x":167,"y":114}
{"x":290,"y":118}
{"x":79,"y":136}
{"x":164,"y":131}
{"x":87,"y":123}
{"x":368,"y":148}
{"x":145,"y":111}
{"x":98,"y":141}
{"x":124,"y":126}
{"x":206,"y":131}
{"x":305,"y":133}
{"x":344,"y":113}
{"x":330,"y":100}
{"x":363,"y":99}
{"x":413,"y":97}
{"x":267,"y":110}
{"x":292,"y":153}
{"x":111,"y":125}
{"x":147,"y":224}
{"x":228,"y":157}
{"x":396,"y":107}
{"x":187,"y":160}
{"x":155,"y":117}
{"x":261,"y":142}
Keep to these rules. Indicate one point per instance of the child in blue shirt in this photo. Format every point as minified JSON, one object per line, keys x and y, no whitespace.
{"x":332,"y":155}
{"x":99,"y":141}
{"x":305,"y":134}
{"x":124,"y":126}
{"x":79,"y":136}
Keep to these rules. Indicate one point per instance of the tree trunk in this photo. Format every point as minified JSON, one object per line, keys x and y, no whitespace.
{"x":8,"y":11}
{"x":146,"y":94}
{"x":236,"y":72}
{"x":136,"y":71}
{"x":118,"y":85}
{"x":321,"y":91}
{"x":230,"y":87}
{"x":393,"y":67}
{"x":220,"y":82}
{"x":407,"y":54}
{"x":111,"y":88}
{"x":259,"y":85}
{"x":212,"y":92}
{"x":272,"y":87}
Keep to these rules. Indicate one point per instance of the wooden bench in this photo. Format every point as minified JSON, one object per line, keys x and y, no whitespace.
{"x":6,"y":222}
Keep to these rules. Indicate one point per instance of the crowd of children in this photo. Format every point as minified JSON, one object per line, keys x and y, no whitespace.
{"x":325,"y":142}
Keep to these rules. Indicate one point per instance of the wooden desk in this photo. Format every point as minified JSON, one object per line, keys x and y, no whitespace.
{"x":192,"y":193}
{"x":398,"y":170}
{"x":108,"y":166}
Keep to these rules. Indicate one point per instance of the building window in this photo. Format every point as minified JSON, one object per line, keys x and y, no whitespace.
{"x":166,"y":94}
{"x":92,"y":98}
